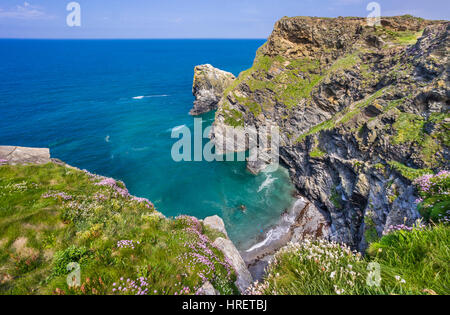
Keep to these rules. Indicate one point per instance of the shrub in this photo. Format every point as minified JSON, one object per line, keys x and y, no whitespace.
{"x":419,"y":255}
{"x":71,"y":254}
{"x":434,"y":204}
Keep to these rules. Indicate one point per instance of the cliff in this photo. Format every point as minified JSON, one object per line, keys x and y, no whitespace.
{"x":362,"y":112}
{"x":54,"y":216}
{"x":208,"y":87}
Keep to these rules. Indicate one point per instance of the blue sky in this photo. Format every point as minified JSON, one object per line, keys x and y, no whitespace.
{"x":185,"y":18}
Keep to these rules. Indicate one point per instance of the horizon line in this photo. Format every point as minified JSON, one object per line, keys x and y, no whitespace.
{"x":143,"y":38}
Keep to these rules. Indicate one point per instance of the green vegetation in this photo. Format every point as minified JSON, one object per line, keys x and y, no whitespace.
{"x":400,"y":37}
{"x":410,"y":262}
{"x":405,"y":260}
{"x":233,"y":117}
{"x":410,"y":129}
{"x":408,"y":172}
{"x":371,"y":234}
{"x":346,"y":62}
{"x":434,"y":204}
{"x":326,"y":125}
{"x":342,"y":117}
{"x":54,"y":215}
{"x":336,"y":198}
{"x":317,"y":153}
{"x":380,"y":167}
{"x":419,"y":256}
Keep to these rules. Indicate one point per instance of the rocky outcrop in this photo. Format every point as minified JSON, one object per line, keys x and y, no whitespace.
{"x":244,"y":278}
{"x":208,"y":88}
{"x":207,"y":289}
{"x":20,"y":155}
{"x":359,"y":109}
{"x":216,"y":223}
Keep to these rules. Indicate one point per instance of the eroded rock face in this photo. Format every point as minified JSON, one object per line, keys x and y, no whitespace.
{"x":244,"y":278}
{"x":216,"y":223}
{"x":208,"y":88}
{"x":350,"y":101}
{"x":20,"y":155}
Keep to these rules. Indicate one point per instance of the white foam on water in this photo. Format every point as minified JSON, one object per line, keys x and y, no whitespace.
{"x":282,"y":228}
{"x":175,"y":129}
{"x":107,"y":139}
{"x":266,"y":184}
{"x":149,"y":96}
{"x":272,"y":236}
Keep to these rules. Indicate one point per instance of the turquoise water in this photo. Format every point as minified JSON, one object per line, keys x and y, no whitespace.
{"x":110,"y":106}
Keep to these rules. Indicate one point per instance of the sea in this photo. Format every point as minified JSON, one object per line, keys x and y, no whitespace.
{"x":110,"y":106}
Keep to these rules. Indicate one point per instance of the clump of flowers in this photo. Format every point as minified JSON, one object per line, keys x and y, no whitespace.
{"x":143,"y":201}
{"x":100,"y":197}
{"x":140,"y":286}
{"x":400,"y":279}
{"x":3,"y":162}
{"x":434,"y":198}
{"x":400,"y":227}
{"x":332,"y":264}
{"x":12,"y":188}
{"x":201,"y":254}
{"x":119,"y":189}
{"x":57,"y":195}
{"x":93,"y":177}
{"x":127,"y":244}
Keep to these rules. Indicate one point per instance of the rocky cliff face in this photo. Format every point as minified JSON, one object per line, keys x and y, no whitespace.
{"x":362,"y":111}
{"x":209,"y":85}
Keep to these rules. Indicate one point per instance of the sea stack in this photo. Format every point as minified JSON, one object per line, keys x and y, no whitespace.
{"x":208,"y":88}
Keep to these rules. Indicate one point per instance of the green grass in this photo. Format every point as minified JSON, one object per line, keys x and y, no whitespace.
{"x":317,"y":153}
{"x":336,"y":198}
{"x":410,"y":263}
{"x":40,"y":235}
{"x":408,"y":172}
{"x":399,"y":37}
{"x":410,"y":129}
{"x":342,"y":117}
{"x":420,"y":257}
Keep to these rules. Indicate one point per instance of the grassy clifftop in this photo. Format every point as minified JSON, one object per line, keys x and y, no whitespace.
{"x":53,"y":215}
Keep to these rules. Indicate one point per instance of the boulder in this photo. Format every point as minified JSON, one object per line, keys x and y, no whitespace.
{"x":19,"y":155}
{"x":207,"y":289}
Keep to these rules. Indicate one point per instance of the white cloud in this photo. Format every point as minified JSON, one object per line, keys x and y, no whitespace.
{"x":26,"y":11}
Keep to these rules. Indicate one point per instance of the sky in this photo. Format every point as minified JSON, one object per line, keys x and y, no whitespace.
{"x":186,"y":18}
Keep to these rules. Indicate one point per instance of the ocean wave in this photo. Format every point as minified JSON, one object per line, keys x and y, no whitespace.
{"x":276,"y":234}
{"x":266,"y":184}
{"x":148,"y":96}
{"x":175,"y":129}
{"x":272,"y":236}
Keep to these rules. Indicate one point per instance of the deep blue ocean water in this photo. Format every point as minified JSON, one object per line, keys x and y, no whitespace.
{"x":109,"y":107}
